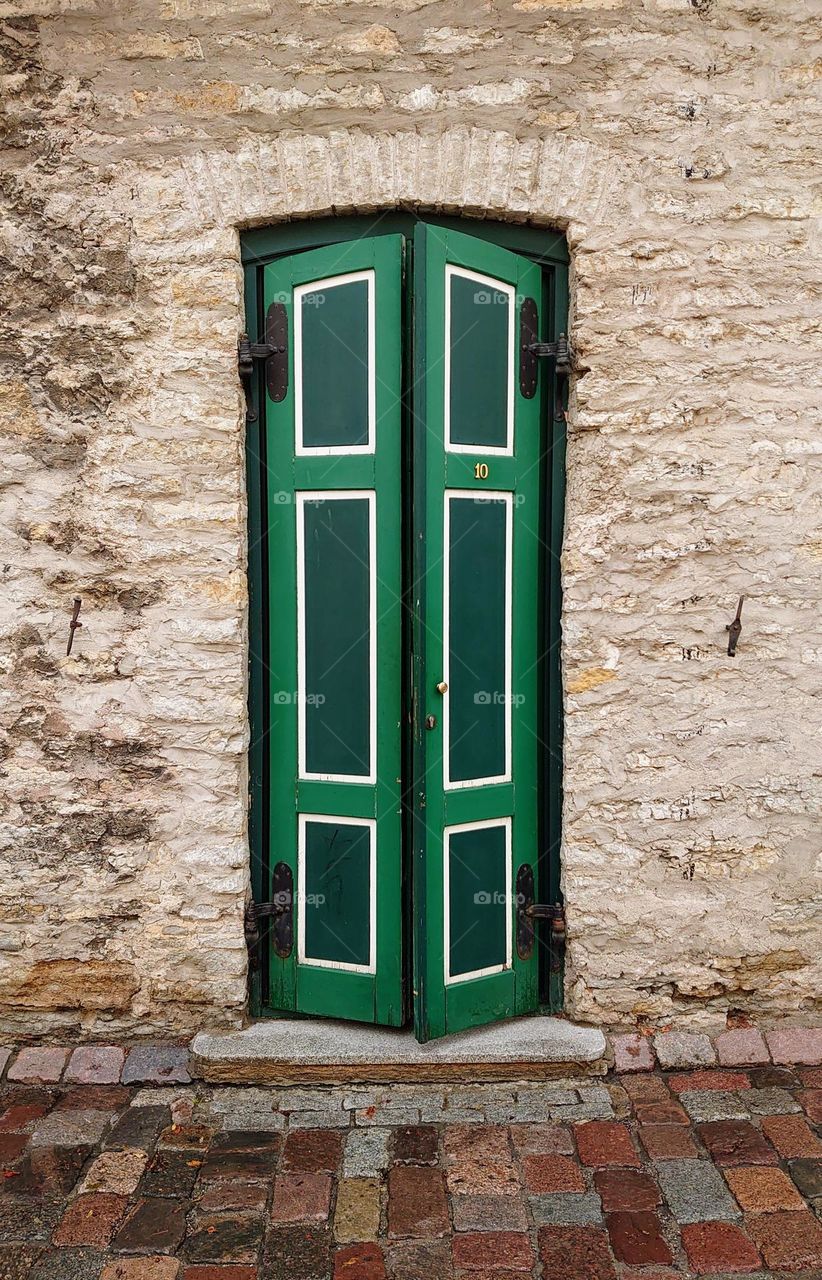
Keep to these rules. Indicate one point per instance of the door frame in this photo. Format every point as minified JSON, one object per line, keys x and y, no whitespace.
{"x":548,"y":249}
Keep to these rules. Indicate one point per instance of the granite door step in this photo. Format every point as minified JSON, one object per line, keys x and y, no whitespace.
{"x":291,"y":1050}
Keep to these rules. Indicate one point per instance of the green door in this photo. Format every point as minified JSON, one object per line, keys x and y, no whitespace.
{"x":403,"y":551}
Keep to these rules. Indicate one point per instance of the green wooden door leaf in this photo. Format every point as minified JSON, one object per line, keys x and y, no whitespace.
{"x":477,"y":458}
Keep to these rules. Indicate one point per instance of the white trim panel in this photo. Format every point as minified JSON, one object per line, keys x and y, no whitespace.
{"x":315,"y":286}
{"x":499,"y":286}
{"x":479,"y":496}
{"x":304,"y":497}
{"x":302,"y":958}
{"x":509,"y":905}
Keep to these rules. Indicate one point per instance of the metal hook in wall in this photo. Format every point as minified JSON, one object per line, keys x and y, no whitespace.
{"x":734,"y":629}
{"x":74,"y":624}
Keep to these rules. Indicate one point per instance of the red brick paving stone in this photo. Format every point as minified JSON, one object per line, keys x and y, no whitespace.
{"x":313,"y":1150}
{"x":792,"y":1137}
{"x":12,"y":1145}
{"x":626,"y":1190}
{"x":359,"y":1262}
{"x":207,"y":1271}
{"x":157,"y":1268}
{"x":736,"y":1142}
{"x":38,"y":1066}
{"x":490,"y":1213}
{"x":811,"y":1077}
{"x":48,"y":1171}
{"x":796,"y":1044}
{"x":741,"y":1047}
{"x":787,"y":1241}
{"x":486,"y":1250}
{"x":482,"y":1177}
{"x":576,"y":1253}
{"x":633,"y":1053}
{"x":96,"y":1097}
{"x":729,"y":1081}
{"x":153,"y":1225}
{"x":415,"y":1144}
{"x":417,"y":1204}
{"x":715,"y":1248}
{"x":605,"y":1142}
{"x":542,"y":1139}
{"x":299,"y":1253}
{"x":191,"y":1137}
{"x":810,"y":1100}
{"x":96,"y":1064}
{"x":656,"y":1273}
{"x":645,"y":1088}
{"x":476,"y":1142}
{"x":763,"y":1190}
{"x":661,"y":1113}
{"x":91,"y":1220}
{"x":223,"y":1237}
{"x":21,"y":1116}
{"x":251,"y":1196}
{"x":415,"y":1259}
{"x":301,"y":1197}
{"x":637,"y":1238}
{"x":495,"y":1274}
{"x":552,"y":1173}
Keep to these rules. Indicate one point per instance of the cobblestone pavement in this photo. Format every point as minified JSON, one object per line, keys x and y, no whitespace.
{"x":644,"y":1176}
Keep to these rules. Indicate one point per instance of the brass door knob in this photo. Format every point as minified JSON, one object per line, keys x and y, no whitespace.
{"x":442,"y":687}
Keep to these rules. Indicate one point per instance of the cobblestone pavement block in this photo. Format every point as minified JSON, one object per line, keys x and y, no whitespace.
{"x":763,"y":1189}
{"x":566,"y":1207}
{"x":151,"y":1226}
{"x":156,"y":1268}
{"x":415,"y":1144}
{"x":807,"y":1174}
{"x":68,"y":1264}
{"x":633,"y":1053}
{"x":5,"y":1054}
{"x":357,"y":1213}
{"x":171,"y":1173}
{"x":714,"y":1247}
{"x":668,"y":1112}
{"x":788,"y":1241}
{"x":250,"y":1197}
{"x":117,"y":1172}
{"x":796,"y":1045}
{"x":490,"y":1213}
{"x":96,"y":1064}
{"x":482,"y":1177}
{"x":576,"y":1253}
{"x":542,"y":1139}
{"x":637,"y":1238}
{"x":212,"y":1271}
{"x":645,"y":1088}
{"x":313,"y":1150}
{"x":707,"y":1079}
{"x":20,"y":1117}
{"x":157,"y":1064}
{"x":90,"y":1220}
{"x":366,"y":1152}
{"x":363,"y":1261}
{"x":17,"y":1260}
{"x":704,"y":1105}
{"x":488,"y":1250}
{"x":683,"y":1049}
{"x":68,"y":1128}
{"x":736,"y":1142}
{"x":417,"y":1204}
{"x":36,"y":1065}
{"x":223,"y":1237}
{"x":471,"y":1142}
{"x":695,"y":1191}
{"x":301,"y":1197}
{"x":792,"y":1137}
{"x":771,"y":1102}
{"x":741,"y":1047}
{"x":626,"y":1190}
{"x":811,"y":1102}
{"x":552,"y":1173}
{"x":605,"y":1142}
{"x":419,"y":1260}
{"x":291,"y":1252}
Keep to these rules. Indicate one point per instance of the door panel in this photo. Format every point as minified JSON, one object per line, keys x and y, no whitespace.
{"x":477,"y":459}
{"x":335,"y":564}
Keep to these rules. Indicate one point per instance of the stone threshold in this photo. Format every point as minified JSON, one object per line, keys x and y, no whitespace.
{"x":326,"y":1051}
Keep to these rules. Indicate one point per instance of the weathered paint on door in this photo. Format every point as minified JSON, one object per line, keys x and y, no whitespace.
{"x":346,"y":487}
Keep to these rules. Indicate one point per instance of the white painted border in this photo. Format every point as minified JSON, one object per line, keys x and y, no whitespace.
{"x":333,"y":282}
{"x":477,"y":495}
{"x":337,"y":495}
{"x":302,"y":958}
{"x":446,"y":879}
{"x":502,"y":287}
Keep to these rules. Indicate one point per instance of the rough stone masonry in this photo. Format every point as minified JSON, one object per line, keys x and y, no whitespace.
{"x":675,"y":142}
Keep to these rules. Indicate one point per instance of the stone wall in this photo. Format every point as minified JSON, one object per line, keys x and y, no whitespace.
{"x":675,"y":142}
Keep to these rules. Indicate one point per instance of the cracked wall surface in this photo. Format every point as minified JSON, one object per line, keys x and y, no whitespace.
{"x":676,"y":142}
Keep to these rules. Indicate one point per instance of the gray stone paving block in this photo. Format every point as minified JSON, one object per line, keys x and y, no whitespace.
{"x":138,"y":1127}
{"x":157,"y":1064}
{"x":70,"y":1128}
{"x":566,"y":1206}
{"x":807,"y":1174}
{"x":163,"y":1096}
{"x":315,"y":1120}
{"x":770,"y":1102}
{"x":714,"y":1104}
{"x":696,"y":1191}
{"x":684,"y":1049}
{"x":314,"y":1100}
{"x":68,"y":1264}
{"x":489,"y":1213}
{"x":366,"y":1152}
{"x":398,"y":1115}
{"x":583,"y":1111}
{"x":245,"y":1109}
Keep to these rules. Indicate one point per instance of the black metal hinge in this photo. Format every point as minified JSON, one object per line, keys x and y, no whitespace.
{"x":280,"y":910}
{"x":528,"y":911}
{"x":274,"y":351}
{"x":531,"y":350}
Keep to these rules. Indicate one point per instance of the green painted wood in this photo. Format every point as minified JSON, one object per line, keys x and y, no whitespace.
{"x":442,"y":1005}
{"x":478,"y":899}
{"x":334,"y":364}
{"x":335,"y":600}
{"x":338,"y":887}
{"x":479,"y":315}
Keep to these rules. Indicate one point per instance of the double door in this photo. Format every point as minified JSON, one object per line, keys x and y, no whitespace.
{"x":403,"y":456}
